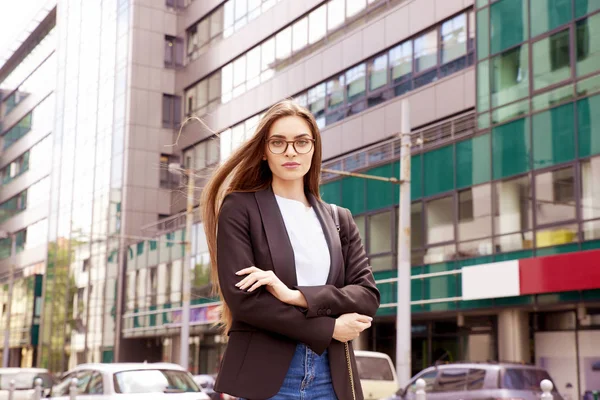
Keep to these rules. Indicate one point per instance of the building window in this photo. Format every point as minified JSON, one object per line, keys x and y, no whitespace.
{"x":171,"y":109}
{"x":176,"y":4}
{"x":168,"y":180}
{"x":588,"y":45}
{"x":475,"y":213}
{"x":555,"y":196}
{"x":510,"y":80}
{"x":551,"y":60}
{"x":440,"y":220}
{"x":173,"y":52}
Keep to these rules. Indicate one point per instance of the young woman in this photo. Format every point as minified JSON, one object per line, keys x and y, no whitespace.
{"x":294,"y":289}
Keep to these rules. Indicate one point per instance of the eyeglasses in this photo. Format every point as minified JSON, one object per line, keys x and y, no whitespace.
{"x":280,"y":146}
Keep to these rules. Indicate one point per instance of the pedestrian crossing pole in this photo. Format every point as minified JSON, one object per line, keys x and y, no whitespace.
{"x":403,"y":318}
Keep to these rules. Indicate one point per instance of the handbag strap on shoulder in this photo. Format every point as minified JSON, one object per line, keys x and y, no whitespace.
{"x":336,"y":216}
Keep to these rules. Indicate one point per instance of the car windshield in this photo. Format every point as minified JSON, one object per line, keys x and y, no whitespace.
{"x":524,"y":379}
{"x":24,"y":379}
{"x":154,"y":381}
{"x":374,"y":368}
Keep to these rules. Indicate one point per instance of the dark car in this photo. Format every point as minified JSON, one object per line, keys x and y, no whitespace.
{"x":469,"y":381}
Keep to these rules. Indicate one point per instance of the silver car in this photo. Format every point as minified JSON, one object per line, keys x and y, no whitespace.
{"x":470,"y":381}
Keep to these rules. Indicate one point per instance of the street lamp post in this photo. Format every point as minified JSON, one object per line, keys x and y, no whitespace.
{"x":186,"y":285}
{"x":13,"y":254}
{"x":403,"y":312}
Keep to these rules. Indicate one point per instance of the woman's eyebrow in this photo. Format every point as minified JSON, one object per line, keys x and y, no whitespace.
{"x":283,"y":137}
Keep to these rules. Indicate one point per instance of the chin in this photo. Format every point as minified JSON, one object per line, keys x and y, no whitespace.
{"x":291,"y":175}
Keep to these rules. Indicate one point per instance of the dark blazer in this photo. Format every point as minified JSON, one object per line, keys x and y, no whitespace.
{"x":265,"y":331}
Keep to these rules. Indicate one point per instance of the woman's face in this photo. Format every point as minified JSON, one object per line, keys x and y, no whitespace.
{"x":293,"y":162}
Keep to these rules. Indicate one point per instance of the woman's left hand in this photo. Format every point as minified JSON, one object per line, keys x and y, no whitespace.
{"x":257,"y":277}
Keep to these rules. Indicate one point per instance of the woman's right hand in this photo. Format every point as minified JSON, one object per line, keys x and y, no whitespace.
{"x":349,"y":326}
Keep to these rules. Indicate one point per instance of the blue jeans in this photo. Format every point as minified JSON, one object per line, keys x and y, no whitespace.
{"x":308,"y":377}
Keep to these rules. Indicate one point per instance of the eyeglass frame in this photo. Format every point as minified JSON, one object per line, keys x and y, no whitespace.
{"x":293,"y":142}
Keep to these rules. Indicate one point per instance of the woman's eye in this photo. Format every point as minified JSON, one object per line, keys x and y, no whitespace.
{"x":277,"y":143}
{"x":302,"y":143}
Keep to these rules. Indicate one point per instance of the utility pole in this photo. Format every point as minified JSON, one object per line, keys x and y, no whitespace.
{"x":186,"y":285}
{"x":11,"y":279}
{"x":403,"y":313}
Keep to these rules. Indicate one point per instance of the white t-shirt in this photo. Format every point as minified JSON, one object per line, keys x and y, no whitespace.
{"x":311,"y":253}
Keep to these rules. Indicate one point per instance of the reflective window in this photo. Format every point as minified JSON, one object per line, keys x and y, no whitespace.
{"x":454,"y":38}
{"x":590,"y":188}
{"x":583,"y":7}
{"x":300,"y":34}
{"x":317,"y":21}
{"x":508,"y":24}
{"x":355,"y":81}
{"x":429,"y":379}
{"x":267,"y":59}
{"x":335,"y":13}
{"x":380,"y":233}
{"x":439,"y":216}
{"x":401,"y":61}
{"x":553,"y":136}
{"x":378,"y":72}
{"x":510,"y":79}
{"x":41,"y":119}
{"x":426,"y":51}
{"x":253,"y":66}
{"x":416,"y":225}
{"x":451,"y":380}
{"x":335,"y":92}
{"x":512,"y":206}
{"x":475,"y":212}
{"x":353,"y":7}
{"x":549,"y":14}
{"x":374,"y":368}
{"x":588,"y":45}
{"x":171,"y":111}
{"x":283,"y":44}
{"x":551,"y":60}
{"x":555,"y":196}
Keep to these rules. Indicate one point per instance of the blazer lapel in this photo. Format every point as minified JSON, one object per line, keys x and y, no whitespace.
{"x":331,"y":235}
{"x":280,"y":247}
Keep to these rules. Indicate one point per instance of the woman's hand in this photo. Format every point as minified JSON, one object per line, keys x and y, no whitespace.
{"x":349,"y":326}
{"x":257,"y":277}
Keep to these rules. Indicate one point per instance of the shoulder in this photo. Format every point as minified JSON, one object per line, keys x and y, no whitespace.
{"x":235,"y":204}
{"x":345,"y":214}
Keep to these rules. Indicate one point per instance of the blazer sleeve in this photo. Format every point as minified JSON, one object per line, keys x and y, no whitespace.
{"x":359,"y":295}
{"x":259,"y":308}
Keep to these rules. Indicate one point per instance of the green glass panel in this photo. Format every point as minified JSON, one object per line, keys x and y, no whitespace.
{"x":588,"y":295}
{"x":549,"y":14}
{"x":508,"y":24}
{"x":514,"y":301}
{"x":438,"y":307}
{"x":353,"y":194}
{"x":416,"y":289}
{"x":551,"y":60}
{"x":588,"y":86}
{"x":483,"y":33}
{"x":548,"y":251}
{"x":473,"y":161}
{"x":481,"y":3}
{"x":439,"y":267}
{"x":510,"y":111}
{"x":591,"y":245}
{"x":474,"y":261}
{"x":551,"y":98}
{"x":385,"y":312}
{"x":380,"y":194}
{"x":588,"y":126}
{"x":554,"y":136}
{"x":472,"y":304}
{"x":515,"y":255}
{"x":510,"y":79}
{"x":416,"y":177}
{"x":331,"y":192}
{"x":554,"y":298}
{"x":483,"y":86}
{"x":440,"y":287}
{"x":511,"y":148}
{"x":583,"y":7}
{"x":483,"y":121}
{"x":439,"y":170}
{"x":588,"y":45}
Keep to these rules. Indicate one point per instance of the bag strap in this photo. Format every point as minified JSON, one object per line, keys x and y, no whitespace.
{"x":336,"y":216}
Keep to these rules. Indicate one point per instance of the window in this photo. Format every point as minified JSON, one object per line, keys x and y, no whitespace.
{"x":588,"y":45}
{"x":555,"y":196}
{"x":177,"y":4}
{"x":401,"y":61}
{"x":590,"y":188}
{"x":553,"y":136}
{"x":153,"y":381}
{"x":583,"y":7}
{"x":510,"y":80}
{"x":440,"y":170}
{"x":283,"y":44}
{"x":473,"y":164}
{"x":380,"y":233}
{"x":512,"y":206}
{"x":475,"y":212}
{"x":173,"y":52}
{"x":426,"y":51}
{"x":451,"y":380}
{"x":508,"y":24}
{"x":416,"y":225}
{"x":378,"y":72}
{"x":316,"y":103}
{"x":588,"y":126}
{"x":171,"y":111}
{"x":168,"y":180}
{"x":355,"y":81}
{"x":335,"y":13}
{"x":440,"y":220}
{"x":429,"y":378}
{"x":317,"y":21}
{"x":476,"y":379}
{"x":550,"y":14}
{"x":551,"y":60}
{"x":95,"y":386}
{"x":253,"y":68}
{"x":454,"y":38}
{"x":511,"y":148}
{"x":300,"y":34}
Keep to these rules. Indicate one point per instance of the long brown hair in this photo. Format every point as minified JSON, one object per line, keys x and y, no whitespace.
{"x":246,"y":171}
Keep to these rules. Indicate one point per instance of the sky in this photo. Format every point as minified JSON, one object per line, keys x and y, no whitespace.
{"x":14,"y":16}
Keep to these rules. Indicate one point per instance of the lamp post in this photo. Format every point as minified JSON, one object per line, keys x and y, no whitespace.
{"x":403,"y":312}
{"x":13,"y":253}
{"x":186,"y":286}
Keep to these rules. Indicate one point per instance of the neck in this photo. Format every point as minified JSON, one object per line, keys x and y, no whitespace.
{"x":293,"y":190}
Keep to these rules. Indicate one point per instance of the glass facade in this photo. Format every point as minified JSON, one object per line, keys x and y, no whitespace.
{"x":86,"y":184}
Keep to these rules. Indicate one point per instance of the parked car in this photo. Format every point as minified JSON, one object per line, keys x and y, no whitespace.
{"x":130,"y":381}
{"x":376,"y":373}
{"x":24,"y":382}
{"x":467,"y":381}
{"x":207,"y":383}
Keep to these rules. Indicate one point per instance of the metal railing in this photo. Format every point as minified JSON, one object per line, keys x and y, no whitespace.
{"x":545,"y":385}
